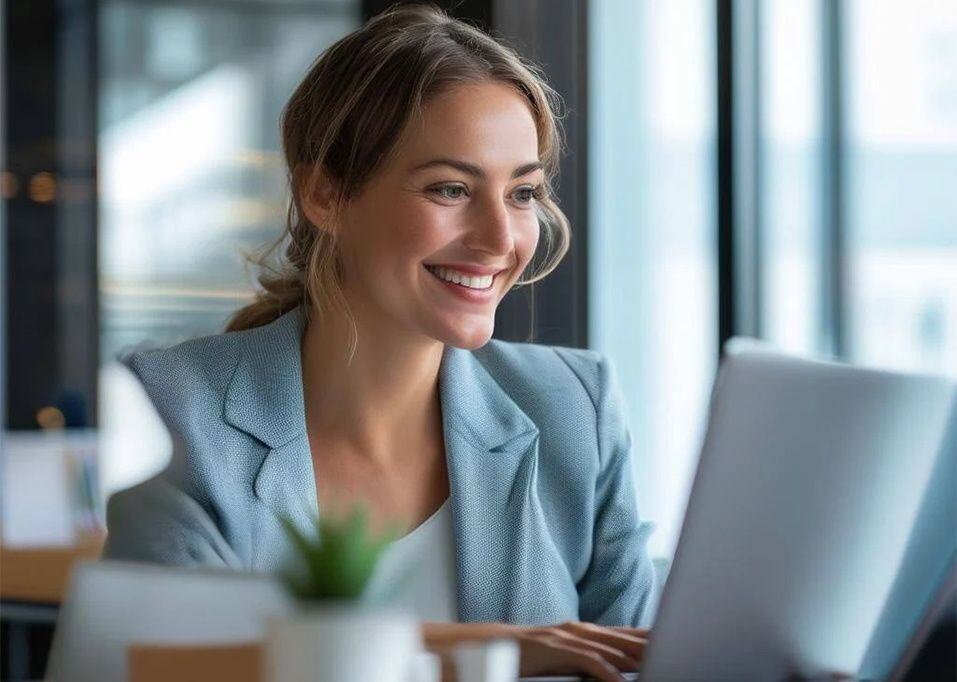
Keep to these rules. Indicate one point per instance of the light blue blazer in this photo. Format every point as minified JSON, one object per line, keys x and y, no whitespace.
{"x":544,"y":514}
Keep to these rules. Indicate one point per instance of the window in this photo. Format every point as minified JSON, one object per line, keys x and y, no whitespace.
{"x":652,"y":273}
{"x":901,"y":72}
{"x":789,"y":182}
{"x":844,"y":222}
{"x":893,"y":283}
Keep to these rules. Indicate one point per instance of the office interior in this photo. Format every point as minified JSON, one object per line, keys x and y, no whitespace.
{"x":777,"y":169}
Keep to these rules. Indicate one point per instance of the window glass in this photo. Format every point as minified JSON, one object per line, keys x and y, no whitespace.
{"x":901,"y":61}
{"x":790,"y":91}
{"x":652,"y":263}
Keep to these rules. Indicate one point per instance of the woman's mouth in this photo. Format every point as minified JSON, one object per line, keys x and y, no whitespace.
{"x":463,"y":279}
{"x":473,"y":288}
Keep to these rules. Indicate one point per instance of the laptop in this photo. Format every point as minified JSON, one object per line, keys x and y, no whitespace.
{"x":809,"y":483}
{"x":112,"y":604}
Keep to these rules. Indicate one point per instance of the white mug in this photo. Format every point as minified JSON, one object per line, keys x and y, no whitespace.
{"x":495,"y":660}
{"x":425,"y":667}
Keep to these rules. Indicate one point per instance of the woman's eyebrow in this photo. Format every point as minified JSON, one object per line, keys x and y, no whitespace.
{"x":472,"y":169}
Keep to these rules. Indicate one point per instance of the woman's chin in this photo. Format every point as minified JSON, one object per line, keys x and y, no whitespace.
{"x":469,"y":339}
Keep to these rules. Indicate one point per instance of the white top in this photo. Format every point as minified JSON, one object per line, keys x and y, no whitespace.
{"x":417,"y":572}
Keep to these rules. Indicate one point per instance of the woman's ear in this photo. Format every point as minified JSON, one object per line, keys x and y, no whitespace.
{"x":318,"y":197}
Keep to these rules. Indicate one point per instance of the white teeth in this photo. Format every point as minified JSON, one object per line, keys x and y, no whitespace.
{"x":483,"y":282}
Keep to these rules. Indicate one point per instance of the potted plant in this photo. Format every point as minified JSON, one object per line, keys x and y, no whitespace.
{"x":337,"y":633}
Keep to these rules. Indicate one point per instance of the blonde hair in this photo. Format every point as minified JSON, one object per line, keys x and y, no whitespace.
{"x":345,"y":119}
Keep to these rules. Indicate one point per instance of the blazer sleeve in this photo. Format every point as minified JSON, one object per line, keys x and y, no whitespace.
{"x":619,"y":585}
{"x":156,"y":522}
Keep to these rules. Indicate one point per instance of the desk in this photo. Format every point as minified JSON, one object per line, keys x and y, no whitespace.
{"x":32,"y":585}
{"x":40,"y":574}
{"x":235,"y":662}
{"x":240,"y":662}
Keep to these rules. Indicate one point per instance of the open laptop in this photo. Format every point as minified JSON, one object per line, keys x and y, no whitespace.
{"x":113,"y":604}
{"x":809,"y":483}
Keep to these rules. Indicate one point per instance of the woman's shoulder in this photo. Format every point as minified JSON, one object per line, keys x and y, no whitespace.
{"x":541,"y":368}
{"x":208,"y":361}
{"x":201,"y":357}
{"x":190,"y":375}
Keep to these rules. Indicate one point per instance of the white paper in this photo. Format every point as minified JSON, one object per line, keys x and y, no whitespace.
{"x":37,"y":490}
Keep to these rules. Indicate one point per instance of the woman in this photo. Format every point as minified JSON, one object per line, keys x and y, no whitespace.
{"x":421,"y":154}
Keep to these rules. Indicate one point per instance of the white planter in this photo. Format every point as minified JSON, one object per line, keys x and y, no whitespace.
{"x":342,"y":642}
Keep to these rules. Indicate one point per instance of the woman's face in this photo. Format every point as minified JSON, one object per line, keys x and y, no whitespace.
{"x":459,"y":193}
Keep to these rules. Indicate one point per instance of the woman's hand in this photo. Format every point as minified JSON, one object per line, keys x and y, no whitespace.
{"x":602,"y":652}
{"x":576,"y":647}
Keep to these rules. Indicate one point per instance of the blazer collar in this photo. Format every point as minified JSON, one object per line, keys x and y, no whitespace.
{"x":264,"y":398}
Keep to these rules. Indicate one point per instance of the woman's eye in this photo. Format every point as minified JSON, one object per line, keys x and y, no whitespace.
{"x":526,"y":194}
{"x":448,"y":191}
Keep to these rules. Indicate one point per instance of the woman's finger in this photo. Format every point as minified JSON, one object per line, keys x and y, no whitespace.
{"x":632,"y":645}
{"x":644,"y":633}
{"x":611,"y":653}
{"x":581,"y":660}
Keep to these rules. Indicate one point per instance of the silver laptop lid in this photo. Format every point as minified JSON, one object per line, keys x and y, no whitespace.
{"x":809,"y":481}
{"x":113,"y":604}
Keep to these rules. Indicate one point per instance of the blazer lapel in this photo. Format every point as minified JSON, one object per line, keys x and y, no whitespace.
{"x":265,"y":399}
{"x":492,"y":453}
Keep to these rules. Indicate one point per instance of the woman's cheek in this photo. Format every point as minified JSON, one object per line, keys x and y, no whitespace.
{"x":527,"y":241}
{"x":422,"y":230}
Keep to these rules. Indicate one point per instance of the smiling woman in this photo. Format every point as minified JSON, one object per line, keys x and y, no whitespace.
{"x":471,"y":214}
{"x":421,"y":154}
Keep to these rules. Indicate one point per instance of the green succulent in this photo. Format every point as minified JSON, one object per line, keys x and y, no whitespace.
{"x":338,"y":560}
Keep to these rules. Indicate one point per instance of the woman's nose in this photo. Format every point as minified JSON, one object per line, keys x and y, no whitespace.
{"x":491,"y":230}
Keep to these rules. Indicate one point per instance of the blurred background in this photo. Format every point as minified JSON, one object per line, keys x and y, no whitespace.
{"x":785,"y":169}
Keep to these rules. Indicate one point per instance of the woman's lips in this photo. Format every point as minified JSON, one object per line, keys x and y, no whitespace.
{"x":466,"y":293}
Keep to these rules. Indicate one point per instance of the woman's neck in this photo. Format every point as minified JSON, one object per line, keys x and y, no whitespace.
{"x":382,"y":404}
